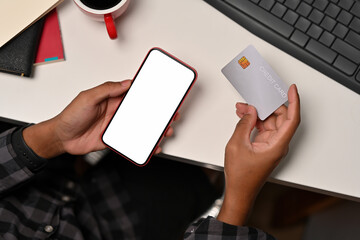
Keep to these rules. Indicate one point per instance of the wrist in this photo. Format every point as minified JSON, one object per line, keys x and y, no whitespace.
{"x":236,"y":208}
{"x":42,"y":140}
{"x":238,"y":202}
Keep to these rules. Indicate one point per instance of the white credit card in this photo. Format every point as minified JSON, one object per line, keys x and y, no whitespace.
{"x":256,"y":82}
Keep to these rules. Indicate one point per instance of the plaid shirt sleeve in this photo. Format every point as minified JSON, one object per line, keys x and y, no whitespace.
{"x":210,"y":228}
{"x":18,"y":163}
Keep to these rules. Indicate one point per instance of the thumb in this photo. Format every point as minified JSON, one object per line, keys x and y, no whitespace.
{"x":107,"y":90}
{"x":245,"y":126}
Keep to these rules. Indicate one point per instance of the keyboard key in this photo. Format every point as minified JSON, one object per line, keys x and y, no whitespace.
{"x":321,"y":51}
{"x":303,"y":24}
{"x":344,"y":17}
{"x":314,"y":31}
{"x":327,"y":38}
{"x":347,"y":50}
{"x":309,"y":1}
{"x":346,"y":4}
{"x":304,"y":9}
{"x":267,"y":4}
{"x":354,"y":39}
{"x":332,"y":10}
{"x":320,"y":4}
{"x":263,"y":16}
{"x":358,"y":77}
{"x":299,"y":38}
{"x":345,"y":65}
{"x":340,"y":30}
{"x":316,"y":16}
{"x":355,"y":24}
{"x":328,"y":23}
{"x":278,"y":10}
{"x":356,"y":9}
{"x":290,"y":17}
{"x":334,"y":1}
{"x":255,"y":1}
{"x":292,"y":4}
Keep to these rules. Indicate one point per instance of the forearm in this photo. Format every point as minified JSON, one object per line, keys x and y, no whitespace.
{"x":18,"y":163}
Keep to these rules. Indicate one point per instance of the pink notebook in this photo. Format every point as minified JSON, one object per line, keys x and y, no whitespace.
{"x":50,"y":47}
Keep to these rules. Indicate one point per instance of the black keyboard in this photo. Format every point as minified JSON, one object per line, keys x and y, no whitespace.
{"x":325,"y":34}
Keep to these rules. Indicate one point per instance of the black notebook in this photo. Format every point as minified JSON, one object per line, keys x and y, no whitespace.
{"x":18,"y":55}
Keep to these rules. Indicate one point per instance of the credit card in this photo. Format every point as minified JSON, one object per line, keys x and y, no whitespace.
{"x":256,"y":82}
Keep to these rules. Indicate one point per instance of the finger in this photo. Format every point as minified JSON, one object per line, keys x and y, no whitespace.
{"x":260,"y":125}
{"x":245,"y":126}
{"x":106,"y":90}
{"x":177,"y":116}
{"x":288,"y":128}
{"x":158,"y":150}
{"x":169,"y":132}
{"x":270,"y":122}
{"x":293,"y":113}
{"x":241,"y":109}
{"x":294,"y":102}
{"x":281,"y":110}
{"x":281,"y":115}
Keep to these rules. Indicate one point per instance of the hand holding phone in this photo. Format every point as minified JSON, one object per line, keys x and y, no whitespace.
{"x":157,"y":91}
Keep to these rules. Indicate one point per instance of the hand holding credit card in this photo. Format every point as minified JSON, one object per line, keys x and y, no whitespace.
{"x":256,"y":82}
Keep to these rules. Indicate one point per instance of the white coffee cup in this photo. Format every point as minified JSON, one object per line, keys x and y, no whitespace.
{"x":106,"y":15}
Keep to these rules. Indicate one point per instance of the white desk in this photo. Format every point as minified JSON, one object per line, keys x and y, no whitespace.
{"x":325,"y":152}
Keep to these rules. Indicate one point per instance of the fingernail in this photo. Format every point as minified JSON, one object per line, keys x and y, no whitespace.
{"x":126,"y":83}
{"x":240,"y":103}
{"x":250,"y":109}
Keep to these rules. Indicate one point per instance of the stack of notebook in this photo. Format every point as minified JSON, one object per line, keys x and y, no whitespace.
{"x":25,"y":28}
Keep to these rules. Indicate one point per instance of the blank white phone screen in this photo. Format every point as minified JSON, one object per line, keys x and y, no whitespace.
{"x":152,"y":100}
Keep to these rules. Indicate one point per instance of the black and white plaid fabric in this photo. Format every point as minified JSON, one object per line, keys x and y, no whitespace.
{"x":48,"y":205}
{"x":211,"y":229}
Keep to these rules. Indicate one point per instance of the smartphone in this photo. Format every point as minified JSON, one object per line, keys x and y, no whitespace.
{"x":148,"y":108}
